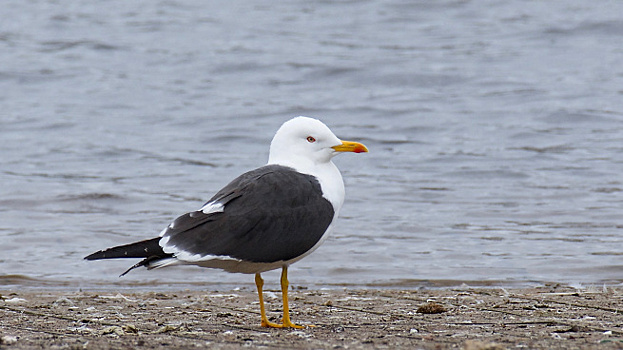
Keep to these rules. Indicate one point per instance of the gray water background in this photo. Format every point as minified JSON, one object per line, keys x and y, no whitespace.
{"x":495,"y":130}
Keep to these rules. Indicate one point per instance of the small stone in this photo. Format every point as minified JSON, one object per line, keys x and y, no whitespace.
{"x":63,"y":301}
{"x":130,"y":328}
{"x":15,"y":301}
{"x":167,"y":329}
{"x":431,"y":308}
{"x":8,"y":339}
{"x":116,"y":330}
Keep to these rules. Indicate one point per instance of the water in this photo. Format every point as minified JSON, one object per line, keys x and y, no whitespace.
{"x":495,"y":130}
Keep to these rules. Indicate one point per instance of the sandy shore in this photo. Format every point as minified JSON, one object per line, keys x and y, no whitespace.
{"x":551,"y":317}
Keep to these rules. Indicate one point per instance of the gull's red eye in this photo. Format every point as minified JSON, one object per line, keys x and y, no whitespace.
{"x":310,"y":139}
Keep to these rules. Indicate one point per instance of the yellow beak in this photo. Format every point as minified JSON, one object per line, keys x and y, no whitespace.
{"x":350,"y":146}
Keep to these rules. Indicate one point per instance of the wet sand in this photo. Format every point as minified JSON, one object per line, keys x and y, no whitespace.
{"x":549,"y":317}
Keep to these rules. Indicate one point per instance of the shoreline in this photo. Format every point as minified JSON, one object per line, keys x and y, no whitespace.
{"x":545,"y":317}
{"x":19,"y":282}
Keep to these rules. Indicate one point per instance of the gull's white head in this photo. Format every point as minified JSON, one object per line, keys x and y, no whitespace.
{"x":304,"y":142}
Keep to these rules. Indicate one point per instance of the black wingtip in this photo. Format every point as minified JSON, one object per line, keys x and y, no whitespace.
{"x":94,"y":256}
{"x":149,"y":249}
{"x":142,"y":249}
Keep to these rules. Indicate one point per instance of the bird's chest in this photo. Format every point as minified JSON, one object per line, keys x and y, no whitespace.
{"x":332,"y":186}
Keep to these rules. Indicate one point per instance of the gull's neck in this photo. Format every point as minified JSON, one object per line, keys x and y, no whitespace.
{"x":327,"y":174}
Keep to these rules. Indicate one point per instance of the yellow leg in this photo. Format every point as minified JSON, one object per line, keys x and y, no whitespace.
{"x":259,"y":282}
{"x":286,"y":323}
{"x":284,"y":292}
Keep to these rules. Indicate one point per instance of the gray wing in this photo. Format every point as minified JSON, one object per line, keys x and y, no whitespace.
{"x":269,"y":214}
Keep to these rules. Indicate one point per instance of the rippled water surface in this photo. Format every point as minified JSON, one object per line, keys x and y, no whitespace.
{"x":495,"y":130}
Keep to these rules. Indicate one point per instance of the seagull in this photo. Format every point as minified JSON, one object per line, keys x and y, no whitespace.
{"x":265,"y":219}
